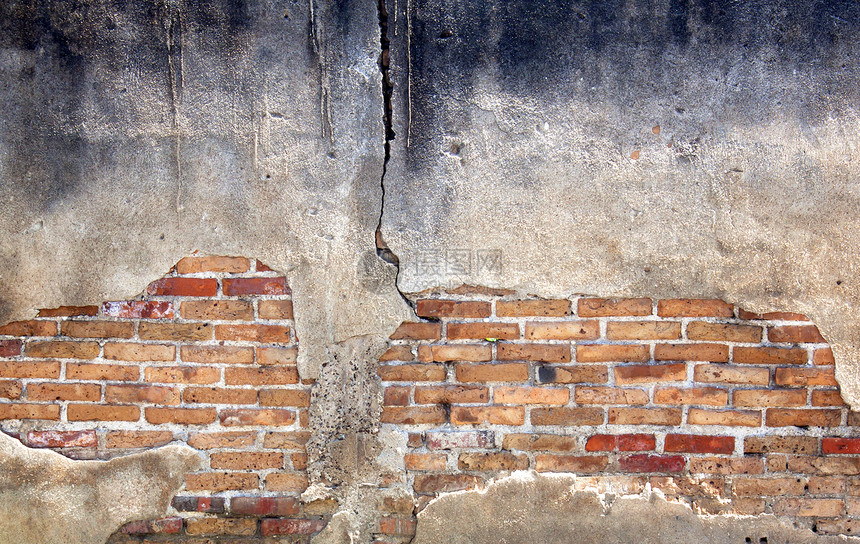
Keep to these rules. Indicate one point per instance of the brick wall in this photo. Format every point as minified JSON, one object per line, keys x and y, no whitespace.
{"x":723,"y":409}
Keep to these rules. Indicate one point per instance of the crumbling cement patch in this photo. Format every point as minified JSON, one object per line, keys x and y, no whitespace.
{"x":47,"y":498}
{"x":529,"y":507}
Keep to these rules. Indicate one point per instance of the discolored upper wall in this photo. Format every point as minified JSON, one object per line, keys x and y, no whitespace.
{"x":632,"y":148}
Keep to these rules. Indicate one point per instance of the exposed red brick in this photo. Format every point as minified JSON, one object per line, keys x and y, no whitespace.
{"x":769,"y":397}
{"x":277,"y":356}
{"x":451,"y":394}
{"x":822,"y":397}
{"x":251,"y":416}
{"x":650,"y":373}
{"x":492,"y":461}
{"x":723,"y":332}
{"x":11,"y":389}
{"x":227,"y":310}
{"x":139,"y":309}
{"x":59,"y":350}
{"x":283,"y":526}
{"x":539,"y":442}
{"x":10,"y":348}
{"x":728,"y":418}
{"x":184,"y":287}
{"x":27,"y":369}
{"x":229,"y":265}
{"x":498,"y":372}
{"x":264,"y":506}
{"x":498,"y":415}
{"x":814,"y":417}
{"x":185,"y":416}
{"x":691,"y":443}
{"x":823,"y":356}
{"x":600,"y":353}
{"x":413,"y":415}
{"x":702,"y":396}
{"x":246,"y":460}
{"x":419,"y":331}
{"x":411,"y":373}
{"x":547,"y":353}
{"x":804,"y":445}
{"x":622,"y":442}
{"x":652,"y":463}
{"x":137,"y":439}
{"x":62,"y":439}
{"x":187,"y":332}
{"x":610,"y":395}
{"x":64,"y":391}
{"x":840,"y":445}
{"x":603,"y":307}
{"x":267,"y":375}
{"x":93,"y":371}
{"x":425,"y":461}
{"x":127,"y":351}
{"x":452,"y":308}
{"x":255,"y":286}
{"x":445,"y":483}
{"x":645,"y":416}
{"x":446,"y":440}
{"x":694,"y":308}
{"x":643,"y":330}
{"x":715,"y":353}
{"x":462,"y":352}
{"x":571,"y":463}
{"x":231,"y":439}
{"x":183,"y":374}
{"x":567,"y":416}
{"x":397,"y":526}
{"x":220,"y":526}
{"x":150,"y":394}
{"x":756,"y":487}
{"x":562,"y":330}
{"x":477,"y":331}
{"x":719,"y":373}
{"x":69,"y":311}
{"x":285,"y":397}
{"x":770,"y":356}
{"x":98,"y":412}
{"x":30,"y":328}
{"x":30,"y":411}
{"x":221,"y":481}
{"x":586,"y":373}
{"x":530,"y":395}
{"x":217,"y":354}
{"x":526,"y":308}
{"x":802,"y":377}
{"x":795,"y":334}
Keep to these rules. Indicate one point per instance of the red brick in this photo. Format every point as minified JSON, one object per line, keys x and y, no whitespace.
{"x":823,"y":356}
{"x":397,"y":526}
{"x":217,"y":354}
{"x":806,"y":445}
{"x":603,"y":307}
{"x":445,"y":483}
{"x":11,"y":389}
{"x":139,"y":309}
{"x":562,"y":330}
{"x":418,"y":331}
{"x":220,"y":526}
{"x":221,"y":481}
{"x":234,"y":287}
{"x":497,"y":415}
{"x":246,"y":460}
{"x":264,"y":506}
{"x":277,"y":356}
{"x":232,"y":439}
{"x":622,"y":442}
{"x":446,"y":440}
{"x":30,"y":411}
{"x":451,"y":394}
{"x":214,"y":505}
{"x":452,"y":308}
{"x":650,"y":373}
{"x":547,"y":353}
{"x":92,"y":371}
{"x":715,"y":353}
{"x":286,"y":482}
{"x":723,"y":332}
{"x":98,"y":412}
{"x":795,"y":334}
{"x":477,"y":331}
{"x":840,"y":445}
{"x":397,"y":353}
{"x":645,"y":416}
{"x":719,"y":373}
{"x":137,"y":439}
{"x":728,"y":418}
{"x":69,"y":311}
{"x":757,"y":487}
{"x":643,"y":330}
{"x":64,"y":391}
{"x":530,"y":395}
{"x":127,"y":351}
{"x":425,"y":461}
{"x":600,"y":353}
{"x":784,"y":316}
{"x":691,"y":443}
{"x":149,"y":394}
{"x":226,"y":310}
{"x":229,"y":265}
{"x":260,"y":267}
{"x":268,"y":334}
{"x":268,"y":375}
{"x":185,"y":416}
{"x":285,"y":397}
{"x":62,"y":439}
{"x":499,"y":372}
{"x":702,"y":396}
{"x":802,"y":377}
{"x":571,"y":463}
{"x":694,"y":308}
{"x":188,"y":332}
{"x":771,"y":356}
{"x":275,"y":309}
{"x":460,"y":352}
{"x":539,"y":442}
{"x":399,"y":396}
{"x":492,"y":461}
{"x":184,"y":287}
{"x":567,"y":416}
{"x":29,"y":328}
{"x":183,"y":374}
{"x":652,"y":463}
{"x":815,"y":417}
{"x":249,"y":416}
{"x":154,"y":527}
{"x":526,"y":308}
{"x":769,"y":397}
{"x":587,"y":373}
{"x":827,"y":398}
{"x":269,"y":527}
{"x":61,"y":350}
{"x":27,"y":369}
{"x":413,"y":415}
{"x":411,"y":373}
{"x":610,"y":395}
{"x":10,"y":348}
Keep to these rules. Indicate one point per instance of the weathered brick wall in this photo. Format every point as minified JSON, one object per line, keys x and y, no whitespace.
{"x":723,"y":409}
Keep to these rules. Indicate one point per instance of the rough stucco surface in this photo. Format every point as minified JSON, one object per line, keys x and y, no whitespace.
{"x":529,"y":507}
{"x":48,"y":498}
{"x":517,"y":123}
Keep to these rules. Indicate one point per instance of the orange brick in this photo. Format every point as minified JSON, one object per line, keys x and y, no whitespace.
{"x":418,"y":331}
{"x":492,"y":461}
{"x":572,"y":374}
{"x":771,"y":356}
{"x":525,"y":308}
{"x":802,"y":377}
{"x":97,"y":412}
{"x":805,"y":507}
{"x":63,"y":350}
{"x":497,"y":415}
{"x":229,"y":265}
{"x":462,"y":353}
{"x":69,"y":311}
{"x":184,"y":287}
{"x":728,"y":418}
{"x":227,"y":310}
{"x":604,"y":307}
{"x":547,"y":353}
{"x":425,"y":461}
{"x":139,"y":352}
{"x":138,"y":439}
{"x":27,"y":369}
{"x":295,"y":440}
{"x":806,"y":445}
{"x":92,"y":371}
{"x":275,"y":309}
{"x":571,"y":463}
{"x":795,"y":334}
{"x":726,"y":465}
{"x":825,"y":466}
{"x":643,"y":330}
{"x":650,"y":373}
{"x":220,"y":526}
{"x":398,"y":396}
{"x":253,"y":333}
{"x":499,"y":372}
{"x":823,"y":356}
{"x":30,"y":411}
{"x":452,"y":308}
{"x":598,"y":353}
{"x":217,"y":354}
{"x":530,"y":395}
{"x":64,"y":391}
{"x":692,"y":443}
{"x":141,"y":393}
{"x":246,"y":460}
{"x":233,"y":439}
{"x":277,"y":356}
{"x":185,"y":416}
{"x":769,"y":397}
{"x":539,"y":442}
{"x":97,"y":329}
{"x":285,"y":397}
{"x":756,"y":487}
{"x":715,"y":353}
{"x":814,"y":417}
{"x":645,"y":416}
{"x":217,"y":482}
{"x":452,"y":394}
{"x":11,"y":389}
{"x":413,"y":415}
{"x":285,"y":482}
{"x":719,"y":373}
{"x":411,"y":373}
{"x":396,"y":526}
{"x":703,"y":396}
{"x":250,"y":416}
{"x":567,"y":416}
{"x":299,"y":461}
{"x":29,"y":328}
{"x":694,"y":308}
{"x":189,"y":332}
{"x":723,"y":332}
{"x":182,"y":374}
{"x":477,"y":331}
{"x":397,"y":353}
{"x":827,"y":398}
{"x":237,"y":287}
{"x":610,"y":395}
{"x":268,"y":375}
{"x":562,"y":330}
